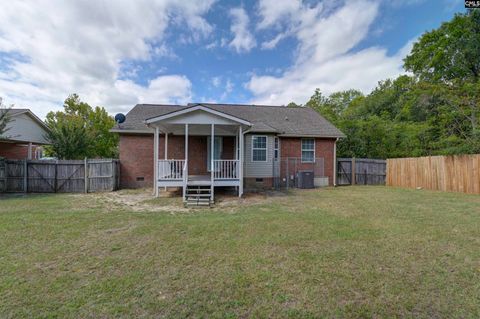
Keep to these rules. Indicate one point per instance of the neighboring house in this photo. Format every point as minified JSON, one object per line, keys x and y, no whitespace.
{"x":24,"y":137}
{"x":253,"y":145}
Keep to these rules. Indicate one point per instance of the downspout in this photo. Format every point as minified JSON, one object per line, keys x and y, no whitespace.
{"x":335,"y":162}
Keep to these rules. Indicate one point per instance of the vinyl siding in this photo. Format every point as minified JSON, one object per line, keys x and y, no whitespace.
{"x":23,"y":128}
{"x":258,"y":169}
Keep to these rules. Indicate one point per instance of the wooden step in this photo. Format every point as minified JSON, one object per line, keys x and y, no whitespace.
{"x":198,"y":195}
{"x":194,"y":191}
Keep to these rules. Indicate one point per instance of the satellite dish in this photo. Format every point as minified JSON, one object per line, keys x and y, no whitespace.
{"x":119,"y":118}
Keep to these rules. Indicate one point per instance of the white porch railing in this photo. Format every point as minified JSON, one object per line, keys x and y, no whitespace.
{"x":226,"y":169}
{"x":171,"y":169}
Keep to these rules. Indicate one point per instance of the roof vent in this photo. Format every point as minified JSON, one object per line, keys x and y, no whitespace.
{"x":286,"y":118}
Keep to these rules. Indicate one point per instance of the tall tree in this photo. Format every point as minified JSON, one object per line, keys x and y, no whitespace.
{"x":449,"y":53}
{"x":4,"y":119}
{"x":449,"y":58}
{"x":81,"y":131}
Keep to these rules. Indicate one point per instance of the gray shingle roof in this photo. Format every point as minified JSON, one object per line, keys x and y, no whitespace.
{"x":300,"y":121}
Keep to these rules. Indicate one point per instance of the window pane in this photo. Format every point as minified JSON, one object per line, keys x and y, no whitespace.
{"x":308,"y":144}
{"x":259,"y":142}
{"x":259,"y":155}
{"x":307,"y":156}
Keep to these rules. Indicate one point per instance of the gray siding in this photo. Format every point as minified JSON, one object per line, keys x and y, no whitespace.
{"x":258,"y":169}
{"x":24,"y":128}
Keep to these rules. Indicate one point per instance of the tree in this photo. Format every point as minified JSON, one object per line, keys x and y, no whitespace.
{"x":435,"y":111}
{"x":448,"y":58}
{"x":449,"y":53}
{"x":81,"y":131}
{"x":4,"y":119}
{"x":293,"y":104}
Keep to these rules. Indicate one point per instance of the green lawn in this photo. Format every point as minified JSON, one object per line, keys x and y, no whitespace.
{"x":344,"y":252}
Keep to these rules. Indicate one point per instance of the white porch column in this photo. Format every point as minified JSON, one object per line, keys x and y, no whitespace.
{"x":155,"y":161}
{"x":185,"y":176}
{"x":212,"y":154}
{"x":30,"y":151}
{"x":240,"y":189}
{"x":165,"y":151}
{"x":186,"y":143}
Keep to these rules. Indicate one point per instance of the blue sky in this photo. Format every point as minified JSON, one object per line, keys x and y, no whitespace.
{"x":119,"y":53}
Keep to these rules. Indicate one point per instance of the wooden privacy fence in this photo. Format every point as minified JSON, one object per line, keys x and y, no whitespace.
{"x":360,"y":171}
{"x":63,"y":176}
{"x":460,"y":173}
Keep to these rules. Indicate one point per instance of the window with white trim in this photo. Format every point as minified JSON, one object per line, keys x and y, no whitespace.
{"x":308,"y":150}
{"x":276,"y":149}
{"x":259,"y":148}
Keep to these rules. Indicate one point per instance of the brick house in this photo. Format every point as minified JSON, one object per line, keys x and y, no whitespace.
{"x":24,"y":137}
{"x":253,"y":146}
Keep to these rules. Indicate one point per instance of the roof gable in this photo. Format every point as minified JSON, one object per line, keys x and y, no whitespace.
{"x":26,"y":127}
{"x":195,"y":115}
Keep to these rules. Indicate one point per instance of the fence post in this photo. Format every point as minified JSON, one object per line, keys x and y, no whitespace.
{"x":55,"y":183}
{"x":85,"y":175}
{"x":25,"y":177}
{"x":113,"y":176}
{"x":353,"y":171}
{"x":365,"y":177}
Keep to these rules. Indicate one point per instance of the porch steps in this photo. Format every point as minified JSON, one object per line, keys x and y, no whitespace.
{"x":198,"y":196}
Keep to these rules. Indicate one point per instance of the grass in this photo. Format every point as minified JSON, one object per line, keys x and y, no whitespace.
{"x":344,"y":252}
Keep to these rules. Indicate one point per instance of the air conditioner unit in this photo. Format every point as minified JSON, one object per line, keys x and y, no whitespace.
{"x":306,"y":179}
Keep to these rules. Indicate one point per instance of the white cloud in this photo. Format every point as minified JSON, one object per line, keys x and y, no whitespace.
{"x":268,"y":45}
{"x":163,"y":89}
{"x":216,"y":81}
{"x":273,"y":11}
{"x":79,"y":46}
{"x":243,"y":40}
{"x":325,"y":57}
{"x":228,"y":89}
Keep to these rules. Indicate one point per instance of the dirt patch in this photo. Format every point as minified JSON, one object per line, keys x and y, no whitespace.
{"x":142,"y":200}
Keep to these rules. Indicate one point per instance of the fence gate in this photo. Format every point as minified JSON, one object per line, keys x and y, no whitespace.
{"x":3,"y":178}
{"x":361,"y":171}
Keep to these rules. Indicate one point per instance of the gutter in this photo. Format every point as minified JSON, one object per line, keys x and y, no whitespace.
{"x":335,"y":162}
{"x":130,"y":131}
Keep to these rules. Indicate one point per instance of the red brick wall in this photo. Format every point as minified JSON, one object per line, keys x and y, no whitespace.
{"x":324,"y":148}
{"x":16,"y":150}
{"x":136,"y":156}
{"x":136,"y":160}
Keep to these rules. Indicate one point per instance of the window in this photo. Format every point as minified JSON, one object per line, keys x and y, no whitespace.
{"x":259,"y":148}
{"x":308,"y":150}
{"x":275,"y":150}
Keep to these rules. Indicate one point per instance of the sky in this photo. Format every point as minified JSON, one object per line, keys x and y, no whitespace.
{"x":117,"y":53}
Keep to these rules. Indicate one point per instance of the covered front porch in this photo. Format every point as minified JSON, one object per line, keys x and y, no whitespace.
{"x":212,"y":152}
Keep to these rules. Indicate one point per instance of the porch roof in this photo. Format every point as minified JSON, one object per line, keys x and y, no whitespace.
{"x":197,"y":114}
